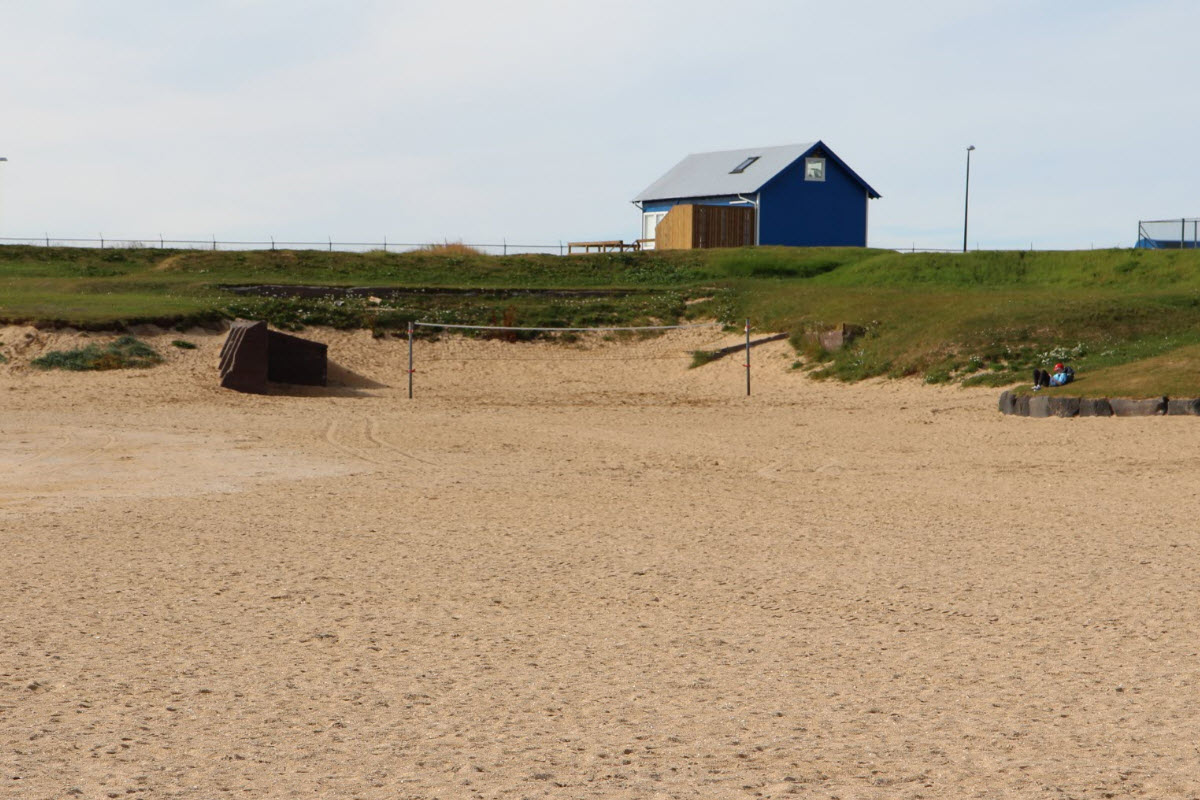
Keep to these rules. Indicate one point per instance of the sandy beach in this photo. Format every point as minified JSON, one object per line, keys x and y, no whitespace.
{"x":584,"y":571}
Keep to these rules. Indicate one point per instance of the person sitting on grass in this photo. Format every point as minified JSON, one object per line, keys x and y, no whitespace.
{"x":1060,"y":377}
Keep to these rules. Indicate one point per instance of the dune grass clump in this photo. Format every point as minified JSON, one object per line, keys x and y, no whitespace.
{"x":183,"y":344}
{"x":124,"y":353}
{"x":451,"y":249}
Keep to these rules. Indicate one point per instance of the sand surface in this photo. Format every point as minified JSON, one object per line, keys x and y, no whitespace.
{"x":585,"y":572}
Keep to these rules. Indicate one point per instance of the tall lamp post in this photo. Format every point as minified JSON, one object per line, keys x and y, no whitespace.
{"x":967,"y":200}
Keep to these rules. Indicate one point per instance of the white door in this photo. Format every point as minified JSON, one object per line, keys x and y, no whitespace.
{"x":650,"y":221}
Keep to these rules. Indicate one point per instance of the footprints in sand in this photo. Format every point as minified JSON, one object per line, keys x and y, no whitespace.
{"x":365,"y":440}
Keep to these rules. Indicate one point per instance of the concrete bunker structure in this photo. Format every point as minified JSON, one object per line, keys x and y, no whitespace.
{"x":254,"y":357}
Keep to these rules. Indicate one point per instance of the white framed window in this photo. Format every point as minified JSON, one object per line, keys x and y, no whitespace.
{"x":814,"y":169}
{"x":650,"y":220}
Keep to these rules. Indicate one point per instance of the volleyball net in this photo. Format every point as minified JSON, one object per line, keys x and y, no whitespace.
{"x":611,"y":343}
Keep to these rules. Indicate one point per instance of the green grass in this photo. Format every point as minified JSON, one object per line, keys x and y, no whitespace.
{"x":1171,"y":373}
{"x":124,"y":353}
{"x":984,"y":318}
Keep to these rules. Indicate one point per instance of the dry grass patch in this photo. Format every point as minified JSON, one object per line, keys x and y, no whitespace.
{"x":452,"y":249}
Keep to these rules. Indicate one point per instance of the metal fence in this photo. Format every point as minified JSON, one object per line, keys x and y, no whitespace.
{"x":1171,"y":237}
{"x":159,"y":242}
{"x":1169,"y":234}
{"x":915,"y":248}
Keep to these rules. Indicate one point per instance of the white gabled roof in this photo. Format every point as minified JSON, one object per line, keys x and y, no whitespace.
{"x":708,"y":174}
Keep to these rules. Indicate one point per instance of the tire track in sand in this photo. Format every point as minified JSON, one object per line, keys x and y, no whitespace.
{"x":109,"y":441}
{"x":332,"y":438}
{"x":374,"y":436}
{"x":48,"y":452}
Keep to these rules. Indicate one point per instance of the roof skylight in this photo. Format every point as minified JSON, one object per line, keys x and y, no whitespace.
{"x":740,"y":168}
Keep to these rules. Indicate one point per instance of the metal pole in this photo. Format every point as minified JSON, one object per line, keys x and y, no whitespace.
{"x":747,"y":357}
{"x":967,"y":197}
{"x":410,"y":369}
{"x":757,"y":218}
{"x":3,"y":159}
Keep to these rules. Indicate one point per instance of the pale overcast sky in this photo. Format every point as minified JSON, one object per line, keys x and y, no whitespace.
{"x":538,"y":121}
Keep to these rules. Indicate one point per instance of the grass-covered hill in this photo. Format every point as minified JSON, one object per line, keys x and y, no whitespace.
{"x":1129,"y":320}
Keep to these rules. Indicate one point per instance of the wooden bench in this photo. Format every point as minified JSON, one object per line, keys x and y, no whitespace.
{"x":610,"y":246}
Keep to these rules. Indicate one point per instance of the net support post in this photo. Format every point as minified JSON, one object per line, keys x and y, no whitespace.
{"x":410,"y":359}
{"x":747,"y":357}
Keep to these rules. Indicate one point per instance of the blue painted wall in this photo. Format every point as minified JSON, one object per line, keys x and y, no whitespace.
{"x":802,"y":213}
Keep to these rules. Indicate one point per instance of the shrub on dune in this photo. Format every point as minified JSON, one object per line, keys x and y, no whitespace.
{"x":123,"y":353}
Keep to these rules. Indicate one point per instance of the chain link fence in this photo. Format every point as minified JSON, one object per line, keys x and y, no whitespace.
{"x":503,"y":248}
{"x":1169,"y":234}
{"x":1151,"y":234}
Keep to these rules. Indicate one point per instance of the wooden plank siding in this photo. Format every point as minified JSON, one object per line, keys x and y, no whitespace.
{"x":692,"y":227}
{"x":723,"y":226}
{"x":674,"y":231}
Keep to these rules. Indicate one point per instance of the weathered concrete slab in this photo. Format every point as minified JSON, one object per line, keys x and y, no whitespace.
{"x":1095,"y":407}
{"x":1043,"y":405}
{"x":1007,"y":403}
{"x":1126,"y":407}
{"x":835,"y":338}
{"x":1183,"y":407}
{"x":243,"y":363}
{"x":840,"y":336}
{"x":1063,"y":406}
{"x":1039,"y":406}
{"x":291,"y":359}
{"x":253,"y":356}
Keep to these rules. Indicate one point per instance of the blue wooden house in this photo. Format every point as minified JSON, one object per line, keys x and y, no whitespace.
{"x":800,"y":195}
